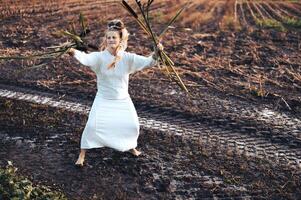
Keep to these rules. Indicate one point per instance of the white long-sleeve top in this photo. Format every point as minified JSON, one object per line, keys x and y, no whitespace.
{"x":113,"y":83}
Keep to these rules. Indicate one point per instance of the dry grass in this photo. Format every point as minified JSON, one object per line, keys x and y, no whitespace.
{"x":217,"y":14}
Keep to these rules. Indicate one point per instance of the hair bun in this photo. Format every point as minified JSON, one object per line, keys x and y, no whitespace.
{"x":115,"y":24}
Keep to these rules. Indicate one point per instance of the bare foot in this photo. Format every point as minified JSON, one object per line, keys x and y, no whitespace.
{"x":135,"y":152}
{"x":81,"y":158}
{"x":80,"y":161}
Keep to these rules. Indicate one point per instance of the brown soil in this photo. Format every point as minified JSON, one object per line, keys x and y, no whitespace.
{"x":249,"y":67}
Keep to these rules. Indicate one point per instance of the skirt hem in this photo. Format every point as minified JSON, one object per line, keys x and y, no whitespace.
{"x":121,"y":150}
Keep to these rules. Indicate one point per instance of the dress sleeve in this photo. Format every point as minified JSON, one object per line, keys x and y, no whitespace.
{"x":91,"y":60}
{"x":138,"y":62}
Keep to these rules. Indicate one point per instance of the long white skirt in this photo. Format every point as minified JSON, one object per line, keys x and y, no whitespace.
{"x":111,"y":123}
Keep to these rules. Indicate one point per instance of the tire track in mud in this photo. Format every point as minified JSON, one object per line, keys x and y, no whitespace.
{"x":231,"y":113}
{"x":272,"y":12}
{"x":241,"y":15}
{"x":292,"y":8}
{"x":257,"y":10}
{"x":249,"y":14}
{"x":179,"y":182}
{"x":161,"y":129}
{"x":262,"y":9}
{"x":281,"y":143}
{"x":280,"y":8}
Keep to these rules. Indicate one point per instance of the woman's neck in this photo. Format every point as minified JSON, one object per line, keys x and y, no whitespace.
{"x":112,"y":51}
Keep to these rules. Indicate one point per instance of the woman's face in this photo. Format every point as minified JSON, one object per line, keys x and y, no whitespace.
{"x":113,"y":39}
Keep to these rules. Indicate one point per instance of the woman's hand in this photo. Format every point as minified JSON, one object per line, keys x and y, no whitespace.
{"x":71,"y":51}
{"x":156,"y":50}
{"x":160,"y":46}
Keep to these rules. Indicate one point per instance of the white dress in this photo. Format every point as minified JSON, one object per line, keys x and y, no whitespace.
{"x":113,"y":120}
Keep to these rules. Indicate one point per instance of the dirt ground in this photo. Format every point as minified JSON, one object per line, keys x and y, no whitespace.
{"x":232,"y":74}
{"x":171,"y":167}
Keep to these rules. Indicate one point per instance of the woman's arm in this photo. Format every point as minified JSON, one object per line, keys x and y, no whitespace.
{"x":88,"y":59}
{"x":138,"y":62}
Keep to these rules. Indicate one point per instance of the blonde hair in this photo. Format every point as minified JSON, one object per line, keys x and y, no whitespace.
{"x":118,"y":26}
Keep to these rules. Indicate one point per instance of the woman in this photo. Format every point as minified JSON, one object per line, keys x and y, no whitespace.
{"x":113,"y":120}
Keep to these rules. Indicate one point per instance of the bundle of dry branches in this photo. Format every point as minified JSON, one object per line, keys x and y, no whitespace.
{"x":57,"y":51}
{"x":146,"y":26}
